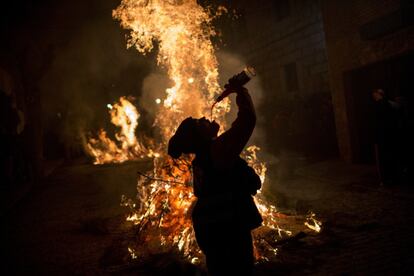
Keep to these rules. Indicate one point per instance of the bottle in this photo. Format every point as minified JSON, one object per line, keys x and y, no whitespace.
{"x":237,"y":81}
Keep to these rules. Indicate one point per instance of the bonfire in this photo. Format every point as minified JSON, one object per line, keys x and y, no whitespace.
{"x":182,"y":30}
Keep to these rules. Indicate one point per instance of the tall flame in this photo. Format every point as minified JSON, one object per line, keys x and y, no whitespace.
{"x":182,"y":30}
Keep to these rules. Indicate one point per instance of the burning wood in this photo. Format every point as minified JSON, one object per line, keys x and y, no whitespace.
{"x":162,"y":213}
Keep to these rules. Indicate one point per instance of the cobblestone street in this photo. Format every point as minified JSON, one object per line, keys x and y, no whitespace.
{"x":73,"y":224}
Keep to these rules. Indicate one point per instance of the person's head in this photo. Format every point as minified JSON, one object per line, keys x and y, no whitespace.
{"x":378,"y":94}
{"x":191,"y":136}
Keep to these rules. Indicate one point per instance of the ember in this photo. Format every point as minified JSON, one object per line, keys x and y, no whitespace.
{"x":162,"y":213}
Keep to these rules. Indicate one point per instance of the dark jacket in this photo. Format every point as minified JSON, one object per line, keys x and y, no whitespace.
{"x":219,"y":183}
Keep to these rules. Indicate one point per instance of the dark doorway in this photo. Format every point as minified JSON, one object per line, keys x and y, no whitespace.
{"x":396,"y":77}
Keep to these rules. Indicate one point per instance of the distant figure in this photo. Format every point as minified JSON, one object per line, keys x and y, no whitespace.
{"x":225,"y":212}
{"x":387,"y":138}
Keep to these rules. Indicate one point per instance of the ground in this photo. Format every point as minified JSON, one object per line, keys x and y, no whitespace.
{"x":73,"y":223}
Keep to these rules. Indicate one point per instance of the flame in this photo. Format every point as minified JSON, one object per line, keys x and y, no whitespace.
{"x":312,"y":223}
{"x":125,"y":116}
{"x":182,"y":30}
{"x":132,"y":253}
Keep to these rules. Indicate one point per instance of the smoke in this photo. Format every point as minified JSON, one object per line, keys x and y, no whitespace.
{"x":153,"y":88}
{"x":155,"y":84}
{"x":229,"y":65}
{"x":90,"y":69}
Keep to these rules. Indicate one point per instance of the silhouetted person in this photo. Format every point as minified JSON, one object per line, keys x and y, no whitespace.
{"x":225,"y":212}
{"x":387,"y":136}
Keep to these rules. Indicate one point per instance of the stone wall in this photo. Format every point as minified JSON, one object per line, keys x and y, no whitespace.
{"x":345,"y":25}
{"x":285,"y":42}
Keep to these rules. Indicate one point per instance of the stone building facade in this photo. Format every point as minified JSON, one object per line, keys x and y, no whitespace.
{"x":285,"y":41}
{"x":318,"y":62}
{"x":369,"y":45}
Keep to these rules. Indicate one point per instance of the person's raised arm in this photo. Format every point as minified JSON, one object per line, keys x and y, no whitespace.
{"x":230,"y":144}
